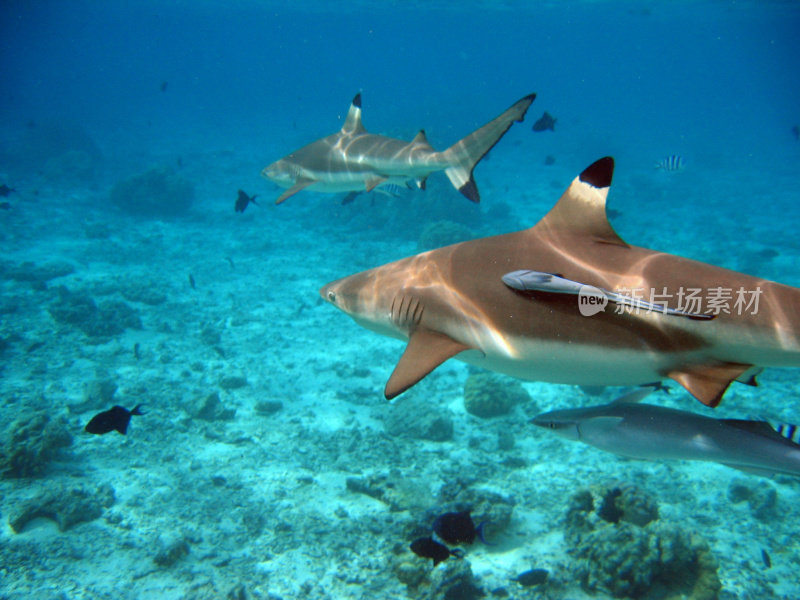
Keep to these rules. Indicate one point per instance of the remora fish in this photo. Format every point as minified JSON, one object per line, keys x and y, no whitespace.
{"x":353,"y":160}
{"x":657,"y":433}
{"x":453,"y":301}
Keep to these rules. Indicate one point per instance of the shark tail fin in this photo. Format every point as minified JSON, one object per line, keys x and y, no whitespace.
{"x":467,"y":152}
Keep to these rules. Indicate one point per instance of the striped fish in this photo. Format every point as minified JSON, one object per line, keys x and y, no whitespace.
{"x":787,"y":430}
{"x":674,"y":162}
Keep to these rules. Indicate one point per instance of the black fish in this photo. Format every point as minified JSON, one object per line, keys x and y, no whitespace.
{"x":429,"y":548}
{"x":456,"y":528}
{"x":349,"y":198}
{"x":545,"y":122}
{"x":115,"y":419}
{"x":243,"y":200}
{"x":192,"y":283}
{"x":163,"y":87}
{"x":796,"y":132}
{"x":765,"y":558}
{"x":5,"y":190}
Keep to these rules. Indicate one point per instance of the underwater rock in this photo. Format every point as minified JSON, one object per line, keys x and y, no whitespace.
{"x":66,"y":506}
{"x":108,"y":319}
{"x":32,"y":273}
{"x":488,"y":395}
{"x":233,"y":382}
{"x":532,"y":577}
{"x":761,"y":496}
{"x":411,"y":572}
{"x":398,"y":492}
{"x":414,"y":418}
{"x":144,"y":293}
{"x":656,"y":561}
{"x":453,"y":580}
{"x":30,"y":443}
{"x":211,"y":409}
{"x":443,"y":233}
{"x":266,"y":408}
{"x":100,"y":392}
{"x":154,"y":193}
{"x":171,"y":551}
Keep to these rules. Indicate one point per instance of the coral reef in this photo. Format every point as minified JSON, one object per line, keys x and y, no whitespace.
{"x":154,"y":193}
{"x":67,"y":506}
{"x":656,"y":561}
{"x":623,"y":550}
{"x":30,"y":443}
{"x":488,"y":395}
{"x":443,"y":233}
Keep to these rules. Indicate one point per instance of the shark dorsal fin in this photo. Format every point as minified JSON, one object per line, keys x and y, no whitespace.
{"x":352,"y":124}
{"x":425,"y":351}
{"x":421,"y":138}
{"x":582,"y":208}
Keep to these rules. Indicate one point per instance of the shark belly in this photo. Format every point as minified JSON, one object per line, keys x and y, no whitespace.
{"x":574,"y":364}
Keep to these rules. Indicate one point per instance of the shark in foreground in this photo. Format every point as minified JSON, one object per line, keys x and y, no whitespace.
{"x":515,"y":304}
{"x":353,"y":160}
{"x":656,"y":433}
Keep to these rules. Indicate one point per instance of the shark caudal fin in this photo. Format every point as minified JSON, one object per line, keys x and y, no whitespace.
{"x":466,"y":153}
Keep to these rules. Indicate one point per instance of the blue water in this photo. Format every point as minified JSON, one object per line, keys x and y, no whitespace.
{"x":94,"y":93}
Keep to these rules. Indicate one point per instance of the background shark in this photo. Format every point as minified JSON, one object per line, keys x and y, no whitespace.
{"x":656,"y":433}
{"x":453,"y":301}
{"x":352,"y":160}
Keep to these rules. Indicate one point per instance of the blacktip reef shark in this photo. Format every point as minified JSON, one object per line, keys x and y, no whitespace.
{"x":649,"y":432}
{"x":514,"y":304}
{"x":353,"y":160}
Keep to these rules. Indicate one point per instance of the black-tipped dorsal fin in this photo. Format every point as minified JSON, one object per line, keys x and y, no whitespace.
{"x":582,"y":208}
{"x":352,"y":124}
{"x":420,"y":138}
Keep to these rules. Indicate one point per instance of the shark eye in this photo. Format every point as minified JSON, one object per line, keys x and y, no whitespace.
{"x":332,"y":296}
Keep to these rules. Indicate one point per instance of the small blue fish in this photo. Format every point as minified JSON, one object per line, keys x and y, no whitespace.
{"x":671,"y":163}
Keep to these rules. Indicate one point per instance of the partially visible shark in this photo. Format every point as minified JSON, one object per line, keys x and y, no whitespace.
{"x":353,"y":160}
{"x":515,"y":304}
{"x":651,"y":432}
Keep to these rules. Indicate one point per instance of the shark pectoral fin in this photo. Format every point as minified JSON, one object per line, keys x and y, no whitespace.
{"x":425,"y":351}
{"x":300,"y":185}
{"x":371,"y":184}
{"x":707,"y":383}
